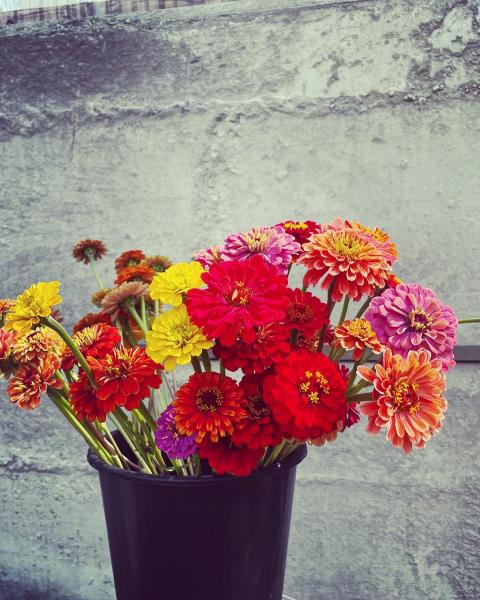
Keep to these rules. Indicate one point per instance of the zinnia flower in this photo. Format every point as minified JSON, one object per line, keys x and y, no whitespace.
{"x":7,"y":339}
{"x":170,"y":440}
{"x":97,"y":341}
{"x":92,"y":319}
{"x":301,"y":230}
{"x":274,"y":244}
{"x":87,"y":250}
{"x":306,"y":395}
{"x":393,"y":281}
{"x":116,"y":300}
{"x":124,"y":377}
{"x":357,"y":335}
{"x":174,"y":339}
{"x":158,"y":263}
{"x":32,"y":380}
{"x":305,"y":313}
{"x":258,"y":430}
{"x":208,"y":256}
{"x":226,"y":457}
{"x":135,"y":273}
{"x":85,"y":403}
{"x":240,"y":296}
{"x":128,"y":258}
{"x":410,"y":317}
{"x":407,"y":398}
{"x":36,"y":344}
{"x":169,"y":287}
{"x":357,"y":266}
{"x":209,"y":405}
{"x":35,"y":302}
{"x":270,"y":346}
{"x":5,"y":305}
{"x":380,"y":239}
{"x":98,"y":296}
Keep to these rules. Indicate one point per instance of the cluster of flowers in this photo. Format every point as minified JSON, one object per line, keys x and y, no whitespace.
{"x":279,"y":381}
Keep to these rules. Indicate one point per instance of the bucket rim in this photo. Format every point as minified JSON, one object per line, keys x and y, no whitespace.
{"x":204,"y":480}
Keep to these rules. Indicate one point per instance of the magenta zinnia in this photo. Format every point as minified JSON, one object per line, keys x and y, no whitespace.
{"x":170,"y":440}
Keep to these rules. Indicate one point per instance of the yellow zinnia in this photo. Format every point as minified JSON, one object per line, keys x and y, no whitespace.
{"x":174,"y":339}
{"x":169,"y":286}
{"x":32,"y":305}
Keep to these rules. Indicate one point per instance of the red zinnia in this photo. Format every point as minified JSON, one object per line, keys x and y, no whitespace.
{"x":97,"y":341}
{"x":305,"y":312}
{"x":258,"y":430}
{"x":240,"y":296}
{"x":128,"y":258}
{"x":270,"y":346}
{"x":301,"y":230}
{"x":85,"y":403}
{"x":125,"y":376}
{"x":92,"y":319}
{"x":209,"y":405}
{"x":306,"y":395}
{"x":143,"y":273}
{"x":87,"y":250}
{"x":225,"y":457}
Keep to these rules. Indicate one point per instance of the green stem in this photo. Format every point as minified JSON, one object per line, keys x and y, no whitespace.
{"x":196,"y":364}
{"x":330,"y":306}
{"x":363,"y":308}
{"x":118,"y":419}
{"x":55,"y":325}
{"x":207,"y":365}
{"x":275,"y":452}
{"x":360,"y":397}
{"x":136,"y":316}
{"x":118,"y":325}
{"x":470,"y":320}
{"x":222,"y":368}
{"x":356,"y":388}
{"x":156,"y":308}
{"x":344,"y":310}
{"x":91,"y":262}
{"x":143,"y":311}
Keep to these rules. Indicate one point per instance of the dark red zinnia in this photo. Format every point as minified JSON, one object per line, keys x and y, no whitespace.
{"x":271,"y":345}
{"x":87,"y":250}
{"x":226,"y":457}
{"x":306,"y":395}
{"x":305,"y":312}
{"x":92,"y":319}
{"x":301,"y":230}
{"x":240,"y":296}
{"x":258,"y":430}
{"x":85,"y":403}
{"x":142,"y":273}
{"x":128,"y":258}
{"x":97,"y":341}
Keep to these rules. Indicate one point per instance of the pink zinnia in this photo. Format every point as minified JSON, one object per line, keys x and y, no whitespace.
{"x":273,"y":243}
{"x":410,"y":317}
{"x":209,"y":256}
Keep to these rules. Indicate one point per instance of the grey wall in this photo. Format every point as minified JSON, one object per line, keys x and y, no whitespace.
{"x":168,"y":131}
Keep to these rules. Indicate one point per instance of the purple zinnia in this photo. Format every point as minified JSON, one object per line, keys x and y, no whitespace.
{"x":410,"y":317}
{"x":273,"y":243}
{"x":170,"y":440}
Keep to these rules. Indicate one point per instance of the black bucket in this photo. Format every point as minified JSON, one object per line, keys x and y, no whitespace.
{"x":210,"y":538}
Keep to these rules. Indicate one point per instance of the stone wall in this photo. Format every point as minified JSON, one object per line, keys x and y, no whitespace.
{"x":166,"y":131}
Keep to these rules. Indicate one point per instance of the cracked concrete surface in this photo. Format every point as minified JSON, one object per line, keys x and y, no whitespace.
{"x":167,"y":131}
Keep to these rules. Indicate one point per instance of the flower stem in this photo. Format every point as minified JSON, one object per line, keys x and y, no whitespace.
{"x":91,"y":262}
{"x":196,"y":364}
{"x":470,"y":320}
{"x":143,"y":311}
{"x":363,"y":308}
{"x":330,"y":305}
{"x":156,"y":308}
{"x":207,"y":365}
{"x":275,"y":452}
{"x":136,"y":316}
{"x":55,"y":325}
{"x":360,"y":397}
{"x":118,"y":419}
{"x":344,"y":310}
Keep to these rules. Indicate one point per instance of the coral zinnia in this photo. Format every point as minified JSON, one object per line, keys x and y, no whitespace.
{"x":407,"y":398}
{"x":128,"y":258}
{"x":306,"y":395}
{"x":125,"y":376}
{"x":87,"y":250}
{"x":357,"y":335}
{"x":258,"y":430}
{"x":36,"y":344}
{"x":305,"y":313}
{"x":135,"y":273}
{"x":379,"y":238}
{"x":270,"y":346}
{"x":5,"y":305}
{"x":118,"y":299}
{"x":240,"y":296}
{"x":35,"y":302}
{"x":85,"y":403}
{"x":97,"y":341}
{"x":410,"y":317}
{"x":6,"y":342}
{"x":274,"y":244}
{"x":348,"y":257}
{"x":174,"y":339}
{"x":32,"y":380}
{"x":210,"y":405}
{"x":92,"y":319}
{"x":170,"y":440}
{"x":169,"y":287}
{"x":226,"y":457}
{"x":158,"y":263}
{"x":301,"y":230}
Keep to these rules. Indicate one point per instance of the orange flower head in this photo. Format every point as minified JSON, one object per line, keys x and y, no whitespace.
{"x":116,"y":300}
{"x":380,"y":239}
{"x":142,"y":273}
{"x":5,"y":305}
{"x":92,"y":319}
{"x":99,"y":295}
{"x":87,"y":250}
{"x":348,"y":257}
{"x":407,"y":398}
{"x":97,"y":341}
{"x":36,"y":344}
{"x":128,"y":258}
{"x":357,"y":335}
{"x":32,"y":380}
{"x":158,"y":263}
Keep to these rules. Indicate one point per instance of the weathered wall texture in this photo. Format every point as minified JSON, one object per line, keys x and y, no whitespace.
{"x":166,"y":132}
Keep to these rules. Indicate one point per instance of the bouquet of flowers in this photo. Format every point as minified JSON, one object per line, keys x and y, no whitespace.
{"x":266,"y":357}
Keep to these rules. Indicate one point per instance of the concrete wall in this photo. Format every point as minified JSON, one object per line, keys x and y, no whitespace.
{"x":167,"y":131}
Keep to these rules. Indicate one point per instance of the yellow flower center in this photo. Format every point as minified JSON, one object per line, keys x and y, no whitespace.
{"x":348,"y":247}
{"x":240,"y":295}
{"x":295,"y":225}
{"x":299,"y":312}
{"x":257,"y":241}
{"x":360,"y":328}
{"x":405,"y":397}
{"x":314,"y":386}
{"x":209,"y":399}
{"x":419,"y":320}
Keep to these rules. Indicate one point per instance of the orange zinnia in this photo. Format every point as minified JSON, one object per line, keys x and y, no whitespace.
{"x":407,"y":398}
{"x":357,"y":335}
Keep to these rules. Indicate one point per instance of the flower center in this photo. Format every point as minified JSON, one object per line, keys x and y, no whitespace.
{"x":257,"y":241}
{"x":240,"y":295}
{"x":299,"y":312}
{"x":348,"y":247}
{"x":257,"y":408}
{"x":209,"y":399}
{"x":314,"y":386}
{"x":419,"y":320}
{"x":405,"y":397}
{"x":360,"y":328}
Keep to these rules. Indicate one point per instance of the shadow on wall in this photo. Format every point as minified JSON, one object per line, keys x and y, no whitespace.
{"x":31,"y":590}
